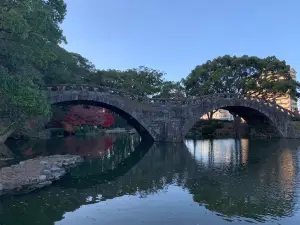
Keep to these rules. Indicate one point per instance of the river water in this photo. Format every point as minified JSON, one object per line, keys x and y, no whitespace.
{"x":124,"y":181}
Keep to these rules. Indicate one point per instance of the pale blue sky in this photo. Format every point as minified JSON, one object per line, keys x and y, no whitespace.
{"x":176,"y":35}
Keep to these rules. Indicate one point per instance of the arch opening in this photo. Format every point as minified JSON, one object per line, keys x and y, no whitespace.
{"x":136,"y":123}
{"x":231,"y":121}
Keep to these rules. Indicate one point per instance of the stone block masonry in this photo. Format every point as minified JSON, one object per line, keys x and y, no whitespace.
{"x":169,"y":120}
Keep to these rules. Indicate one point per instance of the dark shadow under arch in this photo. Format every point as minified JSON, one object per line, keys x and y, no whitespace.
{"x":255,"y":118}
{"x":143,"y":132}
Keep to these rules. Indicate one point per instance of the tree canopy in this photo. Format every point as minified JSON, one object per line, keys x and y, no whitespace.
{"x":142,"y":81}
{"x":29,"y":31}
{"x":267,"y":78}
{"x":171,"y":89}
{"x":31,"y":56}
{"x":68,"y":68}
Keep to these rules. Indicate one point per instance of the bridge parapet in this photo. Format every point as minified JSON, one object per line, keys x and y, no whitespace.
{"x":200,"y":100}
{"x":92,"y":88}
{"x":188,"y":101}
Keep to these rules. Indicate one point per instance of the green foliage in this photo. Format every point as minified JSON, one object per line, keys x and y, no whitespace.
{"x":77,"y":130}
{"x":142,"y":81}
{"x":68,"y":68}
{"x":83,"y":129}
{"x":170,"y":89}
{"x":268,"y":77}
{"x":29,"y":32}
{"x":120,"y":122}
{"x":21,"y":99}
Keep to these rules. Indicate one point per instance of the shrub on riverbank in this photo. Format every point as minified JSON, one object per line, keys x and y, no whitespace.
{"x":216,"y":128}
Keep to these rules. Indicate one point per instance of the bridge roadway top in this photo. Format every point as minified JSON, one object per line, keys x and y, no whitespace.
{"x":147,"y":103}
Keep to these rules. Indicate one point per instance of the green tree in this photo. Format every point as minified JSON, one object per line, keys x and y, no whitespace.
{"x":240,"y":75}
{"x":266,"y":78}
{"x":142,"y":81}
{"x":274,"y":80}
{"x":29,"y":31}
{"x":68,"y":68}
{"x":106,"y":78}
{"x":170,"y":89}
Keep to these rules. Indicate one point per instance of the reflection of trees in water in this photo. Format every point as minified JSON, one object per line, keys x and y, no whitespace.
{"x":266,"y":186}
{"x":81,"y":145}
{"x":256,"y":183}
{"x":86,"y":147}
{"x":95,"y":146}
{"x":161,"y":166}
{"x":115,"y":164}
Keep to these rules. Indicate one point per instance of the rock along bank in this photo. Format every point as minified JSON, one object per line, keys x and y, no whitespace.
{"x":35,"y":173}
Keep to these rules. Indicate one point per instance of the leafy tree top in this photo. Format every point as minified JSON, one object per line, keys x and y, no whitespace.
{"x":29,"y":34}
{"x":267,"y":77}
{"x":142,"y":81}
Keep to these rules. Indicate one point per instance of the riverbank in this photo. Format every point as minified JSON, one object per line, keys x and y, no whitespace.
{"x":35,"y":173}
{"x":119,"y":130}
{"x":59,"y":132}
{"x":218,"y":129}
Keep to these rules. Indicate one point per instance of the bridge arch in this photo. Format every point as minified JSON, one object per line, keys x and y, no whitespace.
{"x":256,"y":112}
{"x":131,"y":111}
{"x":170,"y":119}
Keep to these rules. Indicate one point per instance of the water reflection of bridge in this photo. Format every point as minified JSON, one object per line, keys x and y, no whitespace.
{"x":217,"y":183}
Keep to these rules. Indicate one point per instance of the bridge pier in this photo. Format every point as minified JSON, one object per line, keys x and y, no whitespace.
{"x":168,"y":131}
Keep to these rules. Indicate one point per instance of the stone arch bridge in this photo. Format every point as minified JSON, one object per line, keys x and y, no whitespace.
{"x":171,"y":119}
